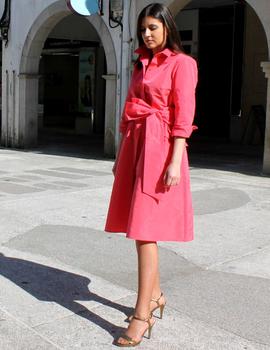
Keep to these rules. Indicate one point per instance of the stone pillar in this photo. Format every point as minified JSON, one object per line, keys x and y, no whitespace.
{"x":19,"y":109}
{"x":266,"y":158}
{"x":111,"y":122}
{"x":9,"y":92}
{"x":28,"y":109}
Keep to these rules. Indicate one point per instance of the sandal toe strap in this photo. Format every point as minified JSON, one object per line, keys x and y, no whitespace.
{"x":129,"y":339}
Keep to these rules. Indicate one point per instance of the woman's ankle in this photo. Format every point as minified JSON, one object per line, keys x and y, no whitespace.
{"x":156,"y":294}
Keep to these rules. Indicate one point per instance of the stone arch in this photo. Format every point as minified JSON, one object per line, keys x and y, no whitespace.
{"x":177,"y":5}
{"x":29,"y":67}
{"x":261,"y":8}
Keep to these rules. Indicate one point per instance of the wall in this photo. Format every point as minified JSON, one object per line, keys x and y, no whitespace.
{"x":31,"y":23}
{"x":255,"y":51}
{"x":74,"y":28}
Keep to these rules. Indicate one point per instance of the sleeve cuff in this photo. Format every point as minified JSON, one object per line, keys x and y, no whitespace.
{"x":182,"y":131}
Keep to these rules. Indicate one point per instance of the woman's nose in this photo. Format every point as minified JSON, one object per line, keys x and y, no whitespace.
{"x":147,"y":32}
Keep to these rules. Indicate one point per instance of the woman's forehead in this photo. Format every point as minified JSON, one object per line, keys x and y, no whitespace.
{"x":148,"y":20}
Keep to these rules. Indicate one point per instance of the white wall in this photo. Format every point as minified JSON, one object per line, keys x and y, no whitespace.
{"x":31,"y":23}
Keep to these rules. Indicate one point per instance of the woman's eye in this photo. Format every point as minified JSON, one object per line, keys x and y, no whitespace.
{"x":142,"y":29}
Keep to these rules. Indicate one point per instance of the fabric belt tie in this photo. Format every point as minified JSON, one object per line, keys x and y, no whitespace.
{"x":156,"y":120}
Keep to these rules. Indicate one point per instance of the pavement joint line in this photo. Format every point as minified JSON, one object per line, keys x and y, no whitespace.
{"x":42,"y":194}
{"x":231,"y":181}
{"x":214,"y":326}
{"x":30,"y":328}
{"x":250,"y":253}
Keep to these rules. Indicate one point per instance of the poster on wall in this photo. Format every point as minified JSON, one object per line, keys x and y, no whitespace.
{"x":87,"y":80}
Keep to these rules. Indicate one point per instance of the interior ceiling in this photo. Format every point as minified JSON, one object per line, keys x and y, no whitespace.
{"x":208,"y":3}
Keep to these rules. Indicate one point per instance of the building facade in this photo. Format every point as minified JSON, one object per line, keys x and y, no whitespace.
{"x":49,"y":47}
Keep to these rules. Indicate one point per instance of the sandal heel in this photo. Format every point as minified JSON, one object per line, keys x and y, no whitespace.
{"x":161,"y":308}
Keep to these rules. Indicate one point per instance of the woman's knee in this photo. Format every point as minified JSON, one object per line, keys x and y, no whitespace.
{"x":140,"y":242}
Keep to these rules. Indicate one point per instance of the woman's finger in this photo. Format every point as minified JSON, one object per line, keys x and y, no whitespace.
{"x":169,"y":180}
{"x":165,"y":178}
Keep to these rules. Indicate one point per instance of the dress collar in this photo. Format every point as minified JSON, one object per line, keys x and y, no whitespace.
{"x":144,"y":52}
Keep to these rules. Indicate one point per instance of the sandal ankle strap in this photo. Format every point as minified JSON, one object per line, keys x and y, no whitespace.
{"x":147,"y":319}
{"x":157,"y":300}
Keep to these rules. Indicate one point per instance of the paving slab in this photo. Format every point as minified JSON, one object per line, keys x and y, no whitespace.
{"x":57,"y":174}
{"x":12,"y":179}
{"x":93,"y":251}
{"x":17,"y":189}
{"x":36,"y":293}
{"x":98,"y":329}
{"x":15,"y":335}
{"x":256,"y":264}
{"x":70,"y":184}
{"x":226,"y":235}
{"x":236,"y":303}
{"x":29,"y":177}
{"x":71,"y":284}
{"x":82,"y":171}
{"x":50,"y":186}
{"x":211,"y":201}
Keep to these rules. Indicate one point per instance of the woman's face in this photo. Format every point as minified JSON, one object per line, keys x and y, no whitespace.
{"x":154,"y":33}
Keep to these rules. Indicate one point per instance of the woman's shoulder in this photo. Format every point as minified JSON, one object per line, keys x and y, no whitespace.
{"x":182,"y":61}
{"x":183,"y":58}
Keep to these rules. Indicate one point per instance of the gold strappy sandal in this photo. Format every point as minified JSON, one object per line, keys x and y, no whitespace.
{"x":159,"y":306}
{"x":131,"y":342}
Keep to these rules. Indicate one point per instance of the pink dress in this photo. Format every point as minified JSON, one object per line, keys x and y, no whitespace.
{"x":160,"y":105}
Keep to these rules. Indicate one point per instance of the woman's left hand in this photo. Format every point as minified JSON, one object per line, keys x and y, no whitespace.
{"x":172,"y":175}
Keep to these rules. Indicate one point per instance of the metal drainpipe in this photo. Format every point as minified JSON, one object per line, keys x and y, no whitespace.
{"x":5,"y":21}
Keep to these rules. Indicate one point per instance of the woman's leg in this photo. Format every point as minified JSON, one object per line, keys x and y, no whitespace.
{"x":147,"y":275}
{"x":156,"y":287}
{"x":156,"y":292}
{"x":147,"y":272}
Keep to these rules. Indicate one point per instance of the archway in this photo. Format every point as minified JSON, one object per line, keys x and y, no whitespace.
{"x":29,"y":72}
{"x":243,"y":76}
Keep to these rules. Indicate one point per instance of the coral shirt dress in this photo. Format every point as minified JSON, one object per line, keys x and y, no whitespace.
{"x":160,"y":105}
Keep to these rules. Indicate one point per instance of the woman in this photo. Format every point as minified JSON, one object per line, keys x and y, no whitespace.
{"x":151,"y":199}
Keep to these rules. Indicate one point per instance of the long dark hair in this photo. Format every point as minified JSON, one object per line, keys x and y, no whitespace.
{"x":162,"y":13}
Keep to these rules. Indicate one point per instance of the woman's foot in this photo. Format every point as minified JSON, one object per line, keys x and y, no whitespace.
{"x":136,"y":330}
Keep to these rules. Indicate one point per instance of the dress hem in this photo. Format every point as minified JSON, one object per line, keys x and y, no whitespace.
{"x":148,"y":240}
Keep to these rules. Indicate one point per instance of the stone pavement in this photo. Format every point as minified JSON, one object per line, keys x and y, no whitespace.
{"x":65,"y":284}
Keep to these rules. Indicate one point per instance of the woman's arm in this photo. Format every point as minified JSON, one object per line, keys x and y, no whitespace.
{"x":172,"y":175}
{"x":183,"y":86}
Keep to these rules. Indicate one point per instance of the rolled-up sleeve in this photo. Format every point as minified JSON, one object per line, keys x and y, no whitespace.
{"x":184,"y":82}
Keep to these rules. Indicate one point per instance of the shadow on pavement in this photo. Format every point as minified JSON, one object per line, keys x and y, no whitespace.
{"x":205,"y":154}
{"x":64,"y":288}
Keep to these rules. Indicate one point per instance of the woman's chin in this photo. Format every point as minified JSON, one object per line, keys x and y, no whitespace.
{"x":151,"y":45}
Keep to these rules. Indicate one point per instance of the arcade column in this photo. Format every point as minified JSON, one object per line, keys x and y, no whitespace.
{"x":110,"y":122}
{"x":266,"y":158}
